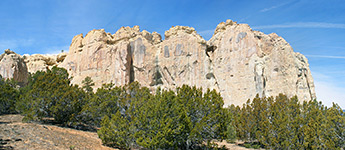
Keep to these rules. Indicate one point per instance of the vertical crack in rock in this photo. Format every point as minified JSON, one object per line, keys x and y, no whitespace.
{"x":264,"y":83}
{"x":129,"y":65}
{"x":210,"y":66}
{"x":309,"y":89}
{"x":304,"y":79}
{"x":217,"y":83}
{"x":157,"y":76}
{"x":300,"y":76}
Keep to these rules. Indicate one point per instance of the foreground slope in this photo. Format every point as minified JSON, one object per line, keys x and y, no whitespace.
{"x":14,"y":134}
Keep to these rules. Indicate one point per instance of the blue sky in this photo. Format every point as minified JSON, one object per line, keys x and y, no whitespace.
{"x":315,"y":28}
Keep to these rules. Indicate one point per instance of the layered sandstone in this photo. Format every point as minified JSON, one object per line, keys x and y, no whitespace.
{"x":237,"y":61}
{"x":13,"y":66}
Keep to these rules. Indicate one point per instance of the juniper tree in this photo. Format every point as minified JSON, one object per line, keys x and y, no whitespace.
{"x":102,"y":103}
{"x":157,"y":121}
{"x":51,"y":95}
{"x":335,"y":135}
{"x":88,"y":84}
{"x":8,"y":96}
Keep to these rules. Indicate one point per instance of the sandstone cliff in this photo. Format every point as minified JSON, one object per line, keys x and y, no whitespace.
{"x":248,"y":62}
{"x":237,"y":61}
{"x":118,"y":58}
{"x":13,"y":66}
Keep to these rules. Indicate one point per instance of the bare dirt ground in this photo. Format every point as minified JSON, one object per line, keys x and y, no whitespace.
{"x":14,"y":134}
{"x":17,"y":135}
{"x":233,"y":146}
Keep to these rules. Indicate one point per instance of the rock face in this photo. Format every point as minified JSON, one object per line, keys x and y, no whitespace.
{"x":121,"y":58}
{"x":38,"y":62}
{"x":182,"y":59}
{"x":13,"y":66}
{"x":249,"y":62}
{"x":237,"y":61}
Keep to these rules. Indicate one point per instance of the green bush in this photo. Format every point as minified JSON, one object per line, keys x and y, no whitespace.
{"x":284,"y":123}
{"x":103,"y":103}
{"x":50,"y":95}
{"x":9,"y":94}
{"x":185,"y":119}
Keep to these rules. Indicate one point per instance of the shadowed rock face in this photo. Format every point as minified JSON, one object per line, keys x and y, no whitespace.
{"x":237,"y":61}
{"x":13,"y":66}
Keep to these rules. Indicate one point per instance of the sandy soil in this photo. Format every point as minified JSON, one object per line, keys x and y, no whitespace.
{"x":14,"y":134}
{"x":17,"y":135}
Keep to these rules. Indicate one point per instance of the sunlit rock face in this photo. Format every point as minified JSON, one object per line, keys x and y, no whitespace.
{"x":40,"y":62}
{"x":182,"y":59}
{"x":13,"y":66}
{"x":121,"y":58}
{"x":248,"y":62}
{"x":237,"y":61}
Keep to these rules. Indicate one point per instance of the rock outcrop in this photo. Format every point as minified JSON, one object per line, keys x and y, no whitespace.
{"x":119,"y":58}
{"x":39,"y":62}
{"x":248,"y":62}
{"x":13,"y":66}
{"x":237,"y":61}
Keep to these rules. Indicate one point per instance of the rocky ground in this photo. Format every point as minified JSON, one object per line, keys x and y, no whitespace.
{"x":14,"y":134}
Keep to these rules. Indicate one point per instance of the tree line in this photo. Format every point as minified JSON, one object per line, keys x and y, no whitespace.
{"x":131,"y":116}
{"x":286,"y":123}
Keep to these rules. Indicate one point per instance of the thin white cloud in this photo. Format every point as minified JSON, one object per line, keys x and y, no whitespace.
{"x":206,"y":34}
{"x":207,"y":31}
{"x":327,"y":91}
{"x":55,"y":50}
{"x":274,"y":7}
{"x":15,"y":43}
{"x":326,"y":47}
{"x":326,"y":56}
{"x":303,"y":25}
{"x":7,"y":44}
{"x":320,"y":76}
